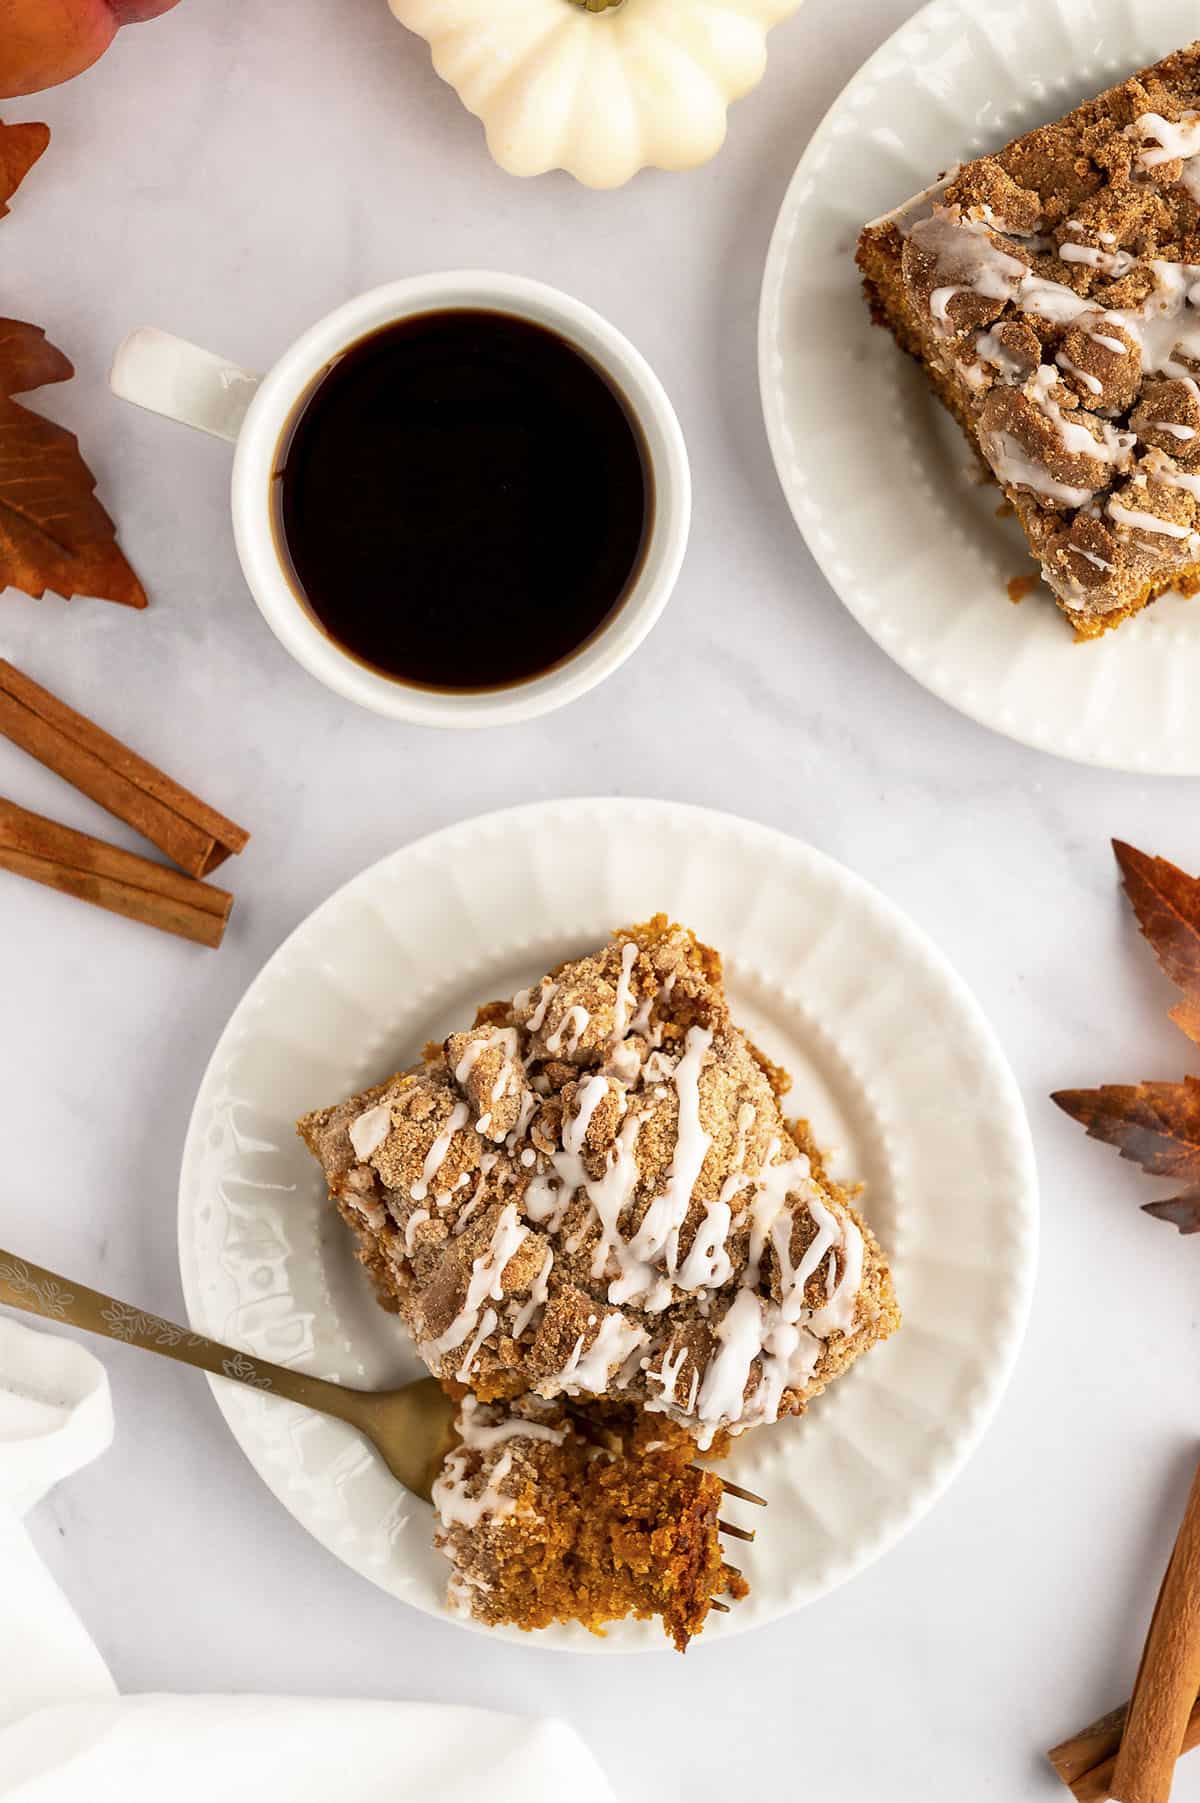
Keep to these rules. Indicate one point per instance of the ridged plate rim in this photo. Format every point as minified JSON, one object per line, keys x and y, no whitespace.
{"x":859,"y":481}
{"x":879,"y":1014}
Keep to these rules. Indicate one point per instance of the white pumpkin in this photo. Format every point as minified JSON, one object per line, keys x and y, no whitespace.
{"x":601,"y":88}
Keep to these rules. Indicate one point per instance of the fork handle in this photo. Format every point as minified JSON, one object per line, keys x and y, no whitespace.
{"x":31,"y":1287}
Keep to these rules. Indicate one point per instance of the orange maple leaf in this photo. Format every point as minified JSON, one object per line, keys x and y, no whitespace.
{"x":1157,"y":1125}
{"x":1166,"y":901}
{"x":20,"y":148}
{"x":54,"y":534}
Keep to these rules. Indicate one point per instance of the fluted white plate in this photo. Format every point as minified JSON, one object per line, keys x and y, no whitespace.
{"x":893,"y":1062}
{"x":880,"y":480}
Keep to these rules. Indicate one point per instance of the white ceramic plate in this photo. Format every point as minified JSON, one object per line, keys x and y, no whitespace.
{"x":878,"y":477}
{"x":893,"y":1063}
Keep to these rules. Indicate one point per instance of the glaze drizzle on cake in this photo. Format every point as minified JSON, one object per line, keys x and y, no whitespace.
{"x":593,"y":1193}
{"x":1052,"y":292}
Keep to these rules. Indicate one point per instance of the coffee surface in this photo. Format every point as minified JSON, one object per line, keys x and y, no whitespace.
{"x":462,"y":499}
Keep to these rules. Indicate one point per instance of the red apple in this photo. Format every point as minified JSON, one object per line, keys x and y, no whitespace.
{"x":43,"y":42}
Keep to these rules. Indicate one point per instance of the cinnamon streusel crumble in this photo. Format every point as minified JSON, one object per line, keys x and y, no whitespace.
{"x":1052,"y":293}
{"x":590,"y":1202}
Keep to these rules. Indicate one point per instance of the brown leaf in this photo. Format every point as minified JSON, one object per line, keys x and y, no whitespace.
{"x":1167,"y":904}
{"x":1156,"y":1125}
{"x":1181,"y":1211}
{"x":20,"y":148}
{"x":54,"y":534}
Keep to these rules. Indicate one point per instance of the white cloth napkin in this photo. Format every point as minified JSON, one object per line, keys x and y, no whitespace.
{"x":66,"y":1735}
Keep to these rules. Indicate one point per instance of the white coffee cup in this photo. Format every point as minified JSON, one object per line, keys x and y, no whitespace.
{"x":178,"y":379}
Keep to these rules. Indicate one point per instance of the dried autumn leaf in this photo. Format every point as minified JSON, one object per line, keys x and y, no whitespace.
{"x":54,"y":534}
{"x":1156,"y":1125}
{"x":1167,"y":904}
{"x":20,"y":148}
{"x":1181,"y":1211}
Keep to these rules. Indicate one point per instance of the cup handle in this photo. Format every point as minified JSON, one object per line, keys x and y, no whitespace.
{"x":170,"y":376}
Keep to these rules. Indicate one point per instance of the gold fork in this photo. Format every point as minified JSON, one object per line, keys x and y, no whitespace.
{"x":411,"y":1428}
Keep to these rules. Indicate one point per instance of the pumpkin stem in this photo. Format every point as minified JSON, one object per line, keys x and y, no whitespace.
{"x":598,"y":6}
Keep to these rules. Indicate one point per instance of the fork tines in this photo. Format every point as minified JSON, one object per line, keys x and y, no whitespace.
{"x":742,"y":1495}
{"x":734,"y":1532}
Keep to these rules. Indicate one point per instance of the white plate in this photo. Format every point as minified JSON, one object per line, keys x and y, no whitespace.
{"x":893,"y":1063}
{"x":878,"y":477}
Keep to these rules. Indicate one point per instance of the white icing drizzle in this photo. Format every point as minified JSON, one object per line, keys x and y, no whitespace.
{"x":775,"y":1183}
{"x":460,"y":1114}
{"x":483,"y":1427}
{"x":1109,"y":262}
{"x":414,"y":1221}
{"x":458,"y":1593}
{"x":789,"y":1343}
{"x":537,"y":1297}
{"x":838,"y":1314}
{"x":1013,"y":464}
{"x":641,"y":1022}
{"x":546,"y":993}
{"x":794,"y":1278}
{"x":760,"y":1344}
{"x":1165,"y":139}
{"x":487,"y":1324}
{"x":591,"y":1093}
{"x":575,"y":1023}
{"x":658,"y":1235}
{"x":989,"y":349}
{"x":487,"y":1272}
{"x":708,"y":1264}
{"x":1091,"y":382}
{"x":1157,"y":465}
{"x":1182,"y":433}
{"x":1099,"y":563}
{"x":966,"y":252}
{"x":505,"y":1037}
{"x":1138,"y":521}
{"x":1017,"y":469}
{"x":370,"y":1130}
{"x":667,"y":1375}
{"x":625,"y":1063}
{"x":468,"y":1211}
{"x":525,"y":1113}
{"x":455,"y":1505}
{"x":1112,"y":447}
{"x":740,"y":1335}
{"x":616,"y":1340}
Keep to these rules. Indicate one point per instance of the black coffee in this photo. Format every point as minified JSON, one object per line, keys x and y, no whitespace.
{"x":464,"y":499}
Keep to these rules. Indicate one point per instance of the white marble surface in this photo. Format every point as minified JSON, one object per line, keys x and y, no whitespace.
{"x":230,"y":173}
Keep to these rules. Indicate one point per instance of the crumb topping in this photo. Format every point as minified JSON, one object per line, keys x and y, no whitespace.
{"x":593,"y":1193}
{"x":1056,"y":285}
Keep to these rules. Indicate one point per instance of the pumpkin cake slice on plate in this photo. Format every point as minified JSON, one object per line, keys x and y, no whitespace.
{"x":591,"y":1197}
{"x":1052,"y":294}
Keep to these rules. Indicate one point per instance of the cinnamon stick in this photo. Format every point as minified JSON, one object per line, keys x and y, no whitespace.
{"x":1168,"y":1677}
{"x":191,"y":833}
{"x":1085,"y":1762}
{"x":76,"y":864}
